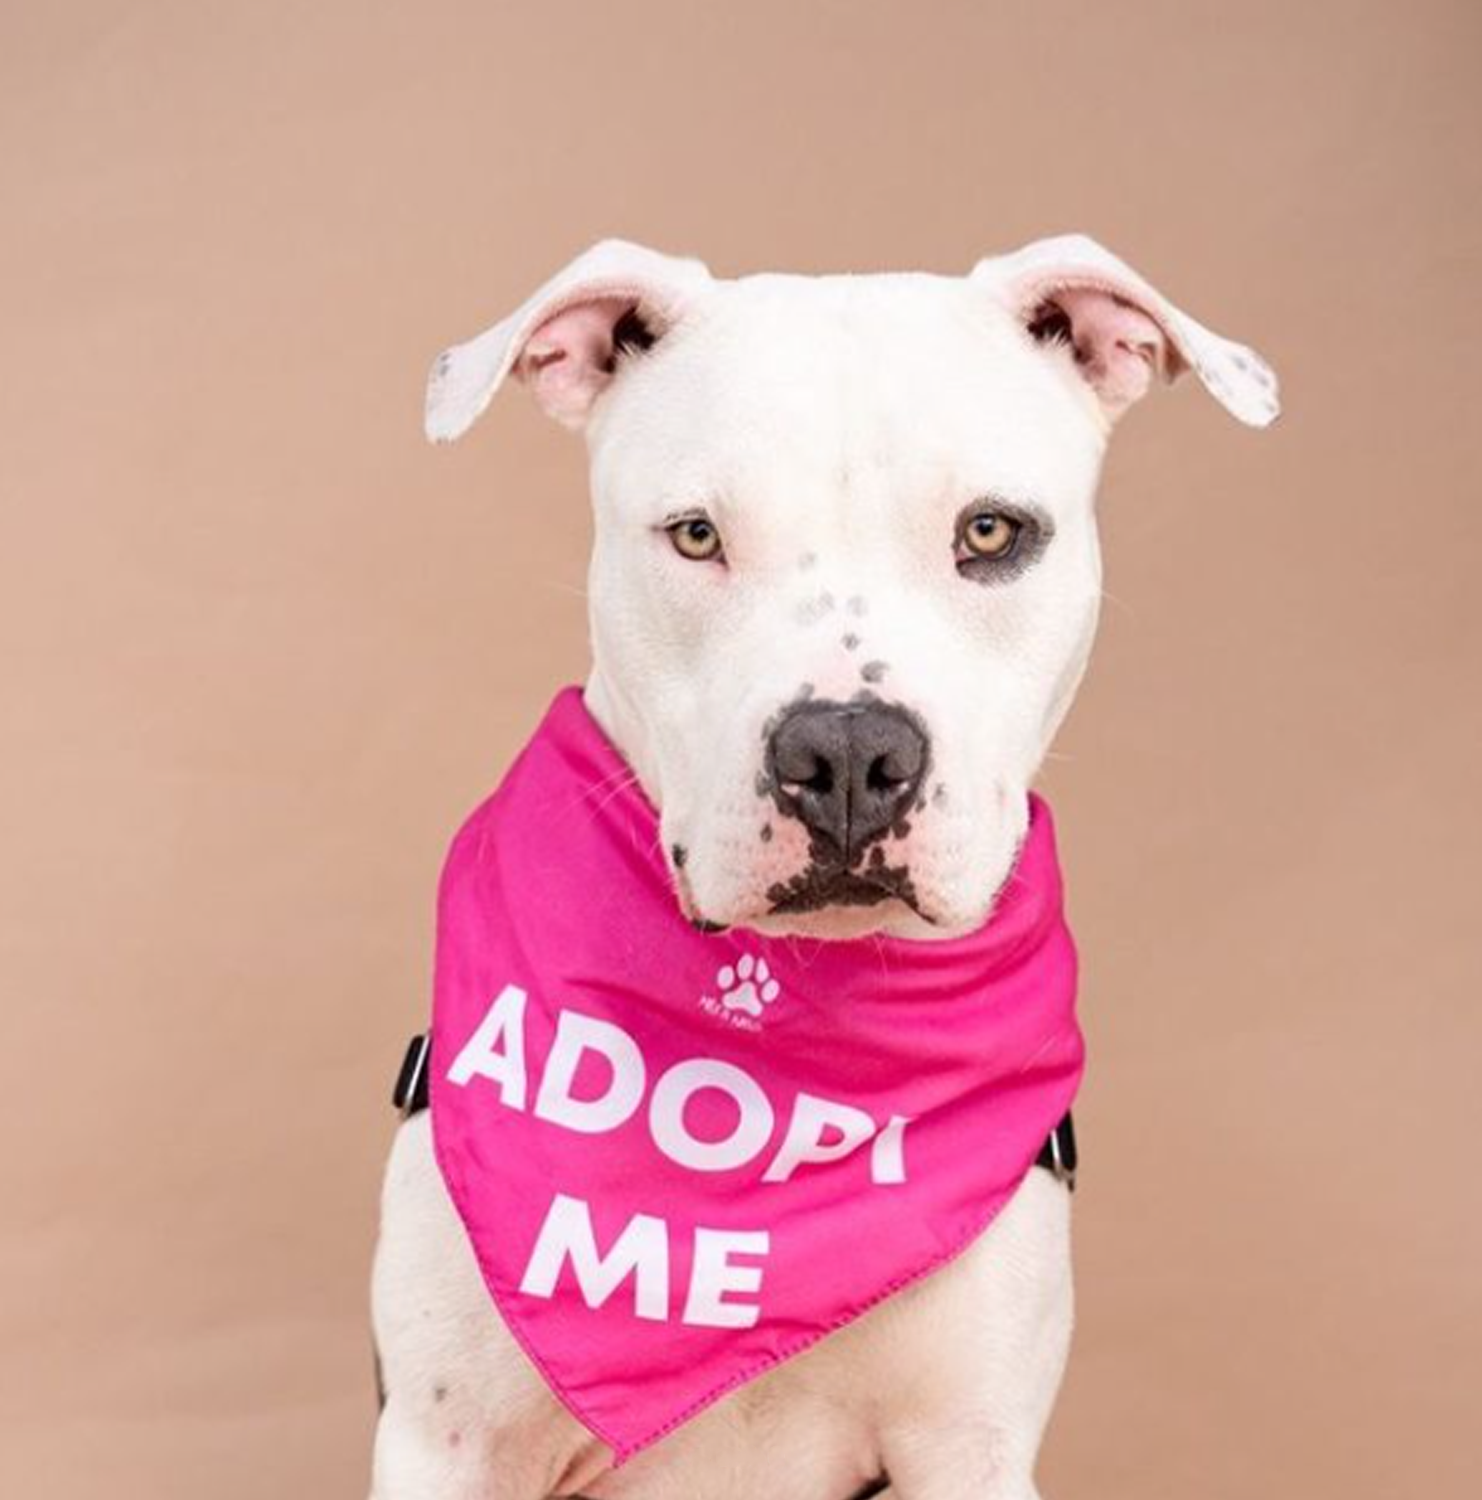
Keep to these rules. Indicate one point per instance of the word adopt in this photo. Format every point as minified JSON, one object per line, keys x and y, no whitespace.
{"x":725,"y":1283}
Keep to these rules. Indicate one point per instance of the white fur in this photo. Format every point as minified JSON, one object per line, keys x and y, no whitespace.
{"x":834,"y":428}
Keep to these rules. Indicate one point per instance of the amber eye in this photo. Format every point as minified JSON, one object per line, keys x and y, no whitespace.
{"x":990,"y":533}
{"x":695,"y":537}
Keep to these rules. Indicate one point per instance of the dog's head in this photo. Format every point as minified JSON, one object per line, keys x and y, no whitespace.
{"x":846,"y":571}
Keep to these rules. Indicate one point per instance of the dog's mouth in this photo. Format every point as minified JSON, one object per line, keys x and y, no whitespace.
{"x":821,"y":886}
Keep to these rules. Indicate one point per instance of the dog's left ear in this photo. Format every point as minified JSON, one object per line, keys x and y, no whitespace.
{"x":1120,"y":330}
{"x":564,"y":341}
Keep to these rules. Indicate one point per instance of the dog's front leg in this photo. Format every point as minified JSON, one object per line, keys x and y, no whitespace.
{"x":466,"y":1417}
{"x":459,"y":1453}
{"x":955,"y":1471}
{"x":982,"y":1367}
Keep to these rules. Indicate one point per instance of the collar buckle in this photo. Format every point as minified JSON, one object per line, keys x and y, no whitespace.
{"x":1059,"y":1156}
{"x":410,"y":1094}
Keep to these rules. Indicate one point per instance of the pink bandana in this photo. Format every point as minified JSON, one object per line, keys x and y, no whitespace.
{"x":682,"y":1157}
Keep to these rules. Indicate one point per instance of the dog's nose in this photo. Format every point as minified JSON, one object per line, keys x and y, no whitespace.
{"x":847,"y":771}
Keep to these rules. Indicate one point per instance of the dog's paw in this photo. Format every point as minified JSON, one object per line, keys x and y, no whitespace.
{"x":748,"y":987}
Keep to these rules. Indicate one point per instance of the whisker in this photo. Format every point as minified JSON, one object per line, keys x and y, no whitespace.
{"x":1121,"y":604}
{"x":618,"y":777}
{"x":617,"y":791}
{"x":613,"y":785}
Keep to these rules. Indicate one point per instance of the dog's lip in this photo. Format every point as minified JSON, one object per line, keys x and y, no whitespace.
{"x":831,"y":889}
{"x":843,"y":887}
{"x":875,"y":895}
{"x":690,"y":912}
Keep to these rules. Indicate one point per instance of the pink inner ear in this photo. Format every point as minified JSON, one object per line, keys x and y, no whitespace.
{"x":567,"y":361}
{"x":1118,"y":346}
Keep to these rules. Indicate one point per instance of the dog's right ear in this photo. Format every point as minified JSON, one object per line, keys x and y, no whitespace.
{"x":564,"y":341}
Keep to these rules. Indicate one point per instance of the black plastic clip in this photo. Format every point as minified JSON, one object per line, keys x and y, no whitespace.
{"x":410,"y":1093}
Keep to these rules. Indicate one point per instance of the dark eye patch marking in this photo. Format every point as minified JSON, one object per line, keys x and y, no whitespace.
{"x":874,"y":671}
{"x":850,"y":641}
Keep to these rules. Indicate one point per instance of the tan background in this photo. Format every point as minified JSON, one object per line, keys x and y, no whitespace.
{"x":263,"y":648}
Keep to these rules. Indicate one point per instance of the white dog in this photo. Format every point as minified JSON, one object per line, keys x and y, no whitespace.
{"x":802,"y":485}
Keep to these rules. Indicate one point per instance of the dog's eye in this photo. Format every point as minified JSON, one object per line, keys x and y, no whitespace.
{"x":695,"y":537}
{"x":997,"y":541}
{"x":990,"y":533}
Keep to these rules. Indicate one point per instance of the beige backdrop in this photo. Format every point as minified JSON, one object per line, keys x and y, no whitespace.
{"x":263,"y":648}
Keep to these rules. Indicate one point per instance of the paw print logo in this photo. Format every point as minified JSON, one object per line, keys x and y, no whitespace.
{"x":748,"y":987}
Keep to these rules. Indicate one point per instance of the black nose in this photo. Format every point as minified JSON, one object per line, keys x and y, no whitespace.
{"x":847,"y":771}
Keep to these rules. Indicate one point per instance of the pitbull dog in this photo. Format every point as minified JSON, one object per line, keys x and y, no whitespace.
{"x":874,"y":491}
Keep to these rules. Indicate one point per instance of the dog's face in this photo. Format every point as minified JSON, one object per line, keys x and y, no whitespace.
{"x":844,"y":583}
{"x":846,"y":570}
